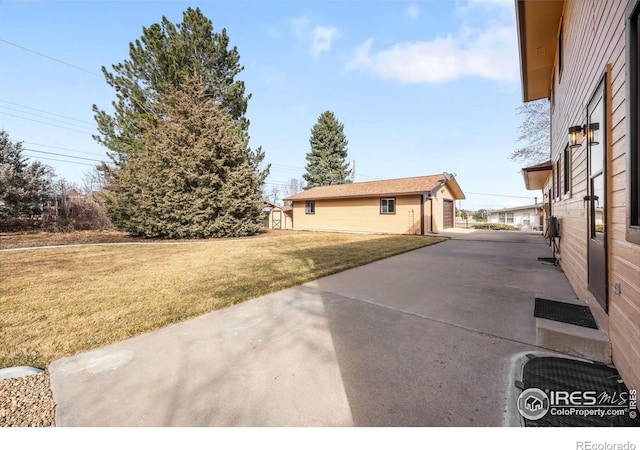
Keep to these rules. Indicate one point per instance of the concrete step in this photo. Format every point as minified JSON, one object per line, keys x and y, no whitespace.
{"x":583,"y":342}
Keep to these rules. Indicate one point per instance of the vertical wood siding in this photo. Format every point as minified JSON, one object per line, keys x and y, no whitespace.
{"x":594,"y":44}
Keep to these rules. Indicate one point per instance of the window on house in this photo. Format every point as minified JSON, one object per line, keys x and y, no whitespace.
{"x":526,"y":219}
{"x":558,"y":179}
{"x":387,"y":206}
{"x":553,"y":92}
{"x":509,"y":217}
{"x":560,"y":56}
{"x":502,"y":217}
{"x":566,"y":170}
{"x":633,"y":91}
{"x":310,"y":208}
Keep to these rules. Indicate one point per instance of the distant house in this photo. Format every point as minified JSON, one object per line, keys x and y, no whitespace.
{"x":526,"y":218}
{"x":417,"y":205}
{"x":585,"y":58}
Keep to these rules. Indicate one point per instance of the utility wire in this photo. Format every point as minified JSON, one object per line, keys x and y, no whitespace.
{"x":62,"y":160}
{"x":46,"y":112}
{"x":499,"y":195}
{"x":47,"y":118}
{"x":59,"y":148}
{"x":60,"y":154}
{"x":52,"y":58}
{"x":46,"y":123}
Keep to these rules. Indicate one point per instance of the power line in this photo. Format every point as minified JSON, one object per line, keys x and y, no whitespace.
{"x":59,"y":148}
{"x":45,"y":117}
{"x":43,"y":111}
{"x":499,"y":195}
{"x":60,"y":154}
{"x":46,"y":123}
{"x":52,"y":58}
{"x":62,"y":160}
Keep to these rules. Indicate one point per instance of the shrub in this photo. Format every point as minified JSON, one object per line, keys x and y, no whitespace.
{"x":494,"y":226}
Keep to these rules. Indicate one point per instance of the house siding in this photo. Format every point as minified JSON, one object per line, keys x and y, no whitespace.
{"x":594,"y":45}
{"x":437,"y":208}
{"x":518,"y":217}
{"x":360,"y":215}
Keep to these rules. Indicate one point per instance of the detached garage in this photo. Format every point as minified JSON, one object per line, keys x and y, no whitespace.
{"x":417,"y":205}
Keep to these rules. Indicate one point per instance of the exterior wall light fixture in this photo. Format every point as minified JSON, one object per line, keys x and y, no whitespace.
{"x":574,"y":134}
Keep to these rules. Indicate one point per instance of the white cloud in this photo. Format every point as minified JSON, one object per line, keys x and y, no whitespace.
{"x":490,"y":54}
{"x":322,"y":38}
{"x":413,"y":12}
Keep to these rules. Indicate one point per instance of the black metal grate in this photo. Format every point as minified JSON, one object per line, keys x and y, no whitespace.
{"x":564,"y":312}
{"x":561,"y":374}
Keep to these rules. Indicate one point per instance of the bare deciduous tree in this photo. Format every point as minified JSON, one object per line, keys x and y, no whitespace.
{"x":534,"y":133}
{"x":293,"y":186}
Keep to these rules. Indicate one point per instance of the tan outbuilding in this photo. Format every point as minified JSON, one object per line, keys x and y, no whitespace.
{"x":417,"y":205}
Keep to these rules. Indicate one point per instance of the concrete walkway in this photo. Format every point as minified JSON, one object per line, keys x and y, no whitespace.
{"x":427,"y":338}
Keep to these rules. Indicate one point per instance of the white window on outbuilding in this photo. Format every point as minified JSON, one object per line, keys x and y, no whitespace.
{"x":310,"y":207}
{"x":388,"y":205}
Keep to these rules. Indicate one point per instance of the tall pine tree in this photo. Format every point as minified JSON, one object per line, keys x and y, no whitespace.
{"x":190,"y":176}
{"x":326,"y":162}
{"x":164,"y":56}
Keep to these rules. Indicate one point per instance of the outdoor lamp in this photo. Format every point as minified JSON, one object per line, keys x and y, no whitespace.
{"x":594,"y":129}
{"x":574,"y":135}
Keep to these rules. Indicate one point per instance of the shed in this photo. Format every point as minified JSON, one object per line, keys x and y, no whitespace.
{"x":416,"y":205}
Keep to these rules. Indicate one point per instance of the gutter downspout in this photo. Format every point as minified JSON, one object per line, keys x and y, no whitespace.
{"x":422,"y":197}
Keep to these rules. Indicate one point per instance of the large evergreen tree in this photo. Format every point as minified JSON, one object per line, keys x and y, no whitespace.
{"x":190,"y":176}
{"x":161,"y":60}
{"x":326,"y":162}
{"x":24,"y":186}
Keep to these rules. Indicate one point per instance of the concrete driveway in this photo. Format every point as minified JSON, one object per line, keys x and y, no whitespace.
{"x":427,"y":338}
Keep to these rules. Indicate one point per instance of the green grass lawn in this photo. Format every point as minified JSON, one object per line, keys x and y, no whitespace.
{"x":59,"y":302}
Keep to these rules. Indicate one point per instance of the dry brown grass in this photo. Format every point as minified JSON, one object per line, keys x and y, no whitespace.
{"x":58,"y":302}
{"x":27,"y":239}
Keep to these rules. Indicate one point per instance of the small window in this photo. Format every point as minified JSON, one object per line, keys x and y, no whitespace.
{"x":509,"y":217}
{"x":566,"y":170}
{"x":387,"y":206}
{"x":310,"y":207}
{"x":558,"y":179}
{"x":526,"y":219}
{"x":502,"y":217}
{"x":560,"y":56}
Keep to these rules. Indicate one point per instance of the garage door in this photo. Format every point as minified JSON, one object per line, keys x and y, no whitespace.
{"x":448,"y":214}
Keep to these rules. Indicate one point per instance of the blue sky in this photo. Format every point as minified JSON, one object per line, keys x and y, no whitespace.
{"x":421,"y":87}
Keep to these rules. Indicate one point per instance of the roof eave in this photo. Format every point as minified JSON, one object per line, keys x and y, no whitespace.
{"x":538,"y":24}
{"x":535,"y":177}
{"x":369,"y":195}
{"x":455,"y":189}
